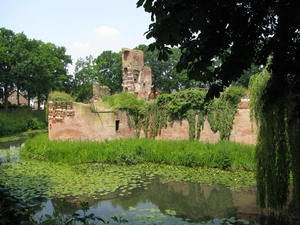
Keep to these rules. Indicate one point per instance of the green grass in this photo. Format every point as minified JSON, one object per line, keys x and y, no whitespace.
{"x":19,"y":120}
{"x":223,"y":154}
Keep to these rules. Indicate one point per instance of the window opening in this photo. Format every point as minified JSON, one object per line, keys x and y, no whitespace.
{"x":126,"y":53}
{"x":117,"y":125}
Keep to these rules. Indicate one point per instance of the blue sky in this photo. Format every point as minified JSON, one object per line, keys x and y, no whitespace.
{"x":84,"y":27}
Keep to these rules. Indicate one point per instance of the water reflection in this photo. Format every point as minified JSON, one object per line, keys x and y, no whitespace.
{"x":174,"y":201}
{"x":12,"y":144}
{"x":9,"y":151}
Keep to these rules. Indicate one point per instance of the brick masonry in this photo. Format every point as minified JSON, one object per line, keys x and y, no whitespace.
{"x":95,"y":123}
{"x":137,"y":78}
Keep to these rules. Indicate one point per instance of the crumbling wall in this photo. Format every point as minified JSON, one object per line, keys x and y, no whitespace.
{"x":137,"y":78}
{"x":96,"y":123}
{"x":99,"y":92}
{"x":243,"y":131}
{"x":59,"y":114}
{"x":92,"y":124}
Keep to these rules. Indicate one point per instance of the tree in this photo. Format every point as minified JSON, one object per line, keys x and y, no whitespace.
{"x":247,"y":74}
{"x":240,"y":33}
{"x":84,"y":76}
{"x":31,"y":66}
{"x":108,"y":67}
{"x":46,"y":70}
{"x":20,"y":54}
{"x":164,"y":74}
{"x":7,"y":61}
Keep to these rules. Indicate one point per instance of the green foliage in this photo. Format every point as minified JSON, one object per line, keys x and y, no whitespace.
{"x":124,"y":101}
{"x":60,"y":99}
{"x":84,"y":76}
{"x":108,"y":70}
{"x":23,"y":119}
{"x":221,"y":111}
{"x":31,"y":66}
{"x":223,"y":159}
{"x":164,"y":75}
{"x":12,"y":210}
{"x":257,"y":87}
{"x":240,"y":34}
{"x":277,"y":149}
{"x":223,"y":154}
{"x":244,"y":80}
{"x":152,"y":116}
{"x":129,"y":103}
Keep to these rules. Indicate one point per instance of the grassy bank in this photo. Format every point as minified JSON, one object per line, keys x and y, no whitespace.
{"x":223,"y":154}
{"x":19,"y":120}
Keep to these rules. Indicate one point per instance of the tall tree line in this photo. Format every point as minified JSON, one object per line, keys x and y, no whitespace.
{"x":106,"y":70}
{"x":31,"y":66}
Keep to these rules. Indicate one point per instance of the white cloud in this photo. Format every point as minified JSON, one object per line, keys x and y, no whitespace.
{"x":81,"y":46}
{"x":106,"y":32}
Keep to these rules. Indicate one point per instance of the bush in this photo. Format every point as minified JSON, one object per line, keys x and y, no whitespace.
{"x":60,"y":99}
{"x":23,"y":119}
{"x":223,"y":159}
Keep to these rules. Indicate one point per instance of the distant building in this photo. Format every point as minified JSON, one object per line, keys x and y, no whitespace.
{"x":13,"y":98}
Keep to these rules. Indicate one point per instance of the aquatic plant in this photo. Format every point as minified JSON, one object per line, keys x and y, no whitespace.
{"x":223,"y":154}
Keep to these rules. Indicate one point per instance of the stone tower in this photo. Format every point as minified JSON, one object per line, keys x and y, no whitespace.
{"x":137,"y":77}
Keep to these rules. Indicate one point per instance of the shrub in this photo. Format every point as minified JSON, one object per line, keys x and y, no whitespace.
{"x":23,"y":119}
{"x":223,"y":159}
{"x":60,"y":99}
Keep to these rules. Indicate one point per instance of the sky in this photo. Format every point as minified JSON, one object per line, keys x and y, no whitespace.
{"x":83,"y":27}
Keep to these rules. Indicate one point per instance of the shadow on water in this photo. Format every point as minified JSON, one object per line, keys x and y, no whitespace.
{"x":174,"y":202}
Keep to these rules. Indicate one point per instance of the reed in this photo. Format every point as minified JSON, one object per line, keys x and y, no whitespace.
{"x":223,"y":154}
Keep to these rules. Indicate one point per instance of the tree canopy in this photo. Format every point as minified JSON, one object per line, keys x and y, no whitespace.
{"x":237,"y":34}
{"x":164,"y":75}
{"x":31,"y":66}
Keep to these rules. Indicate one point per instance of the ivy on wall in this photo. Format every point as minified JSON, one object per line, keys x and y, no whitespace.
{"x":191,"y":105}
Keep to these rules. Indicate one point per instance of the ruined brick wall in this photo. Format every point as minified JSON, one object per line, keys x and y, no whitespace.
{"x":243,"y":130}
{"x":90,"y":124}
{"x":137,"y":78}
{"x":99,"y":92}
{"x":93,"y":122}
{"x":56,"y":115}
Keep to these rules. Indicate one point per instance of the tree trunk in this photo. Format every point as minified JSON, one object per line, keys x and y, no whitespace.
{"x":5,"y":98}
{"x":18,"y":98}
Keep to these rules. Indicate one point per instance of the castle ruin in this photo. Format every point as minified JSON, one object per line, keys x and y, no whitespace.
{"x":137,"y":78}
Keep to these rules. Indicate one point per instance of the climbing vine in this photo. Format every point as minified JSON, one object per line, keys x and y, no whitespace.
{"x":221,"y":111}
{"x":191,"y":105}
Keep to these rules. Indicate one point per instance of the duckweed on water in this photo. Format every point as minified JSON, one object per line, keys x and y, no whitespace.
{"x":31,"y":179}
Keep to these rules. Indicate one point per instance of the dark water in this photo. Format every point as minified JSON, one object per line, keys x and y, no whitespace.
{"x":155,"y":202}
{"x":173,"y":202}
